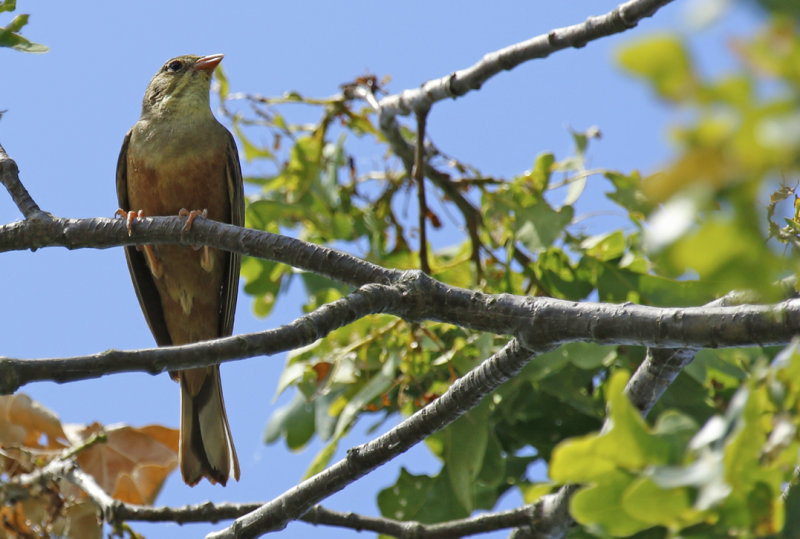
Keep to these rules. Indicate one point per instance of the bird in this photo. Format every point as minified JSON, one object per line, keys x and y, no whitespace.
{"x":178,"y":156}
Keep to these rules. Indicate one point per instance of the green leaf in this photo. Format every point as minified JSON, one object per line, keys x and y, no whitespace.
{"x":559,"y":276}
{"x":293,"y":421}
{"x":727,"y":255}
{"x":664,"y":62}
{"x":647,"y":502}
{"x":602,"y":505}
{"x":538,"y":226}
{"x":406,"y":497}
{"x":322,"y":459}
{"x":588,"y":356}
{"x":465,"y":446}
{"x":539,"y":176}
{"x":251,"y":151}
{"x":9,"y":36}
{"x":595,"y":455}
{"x":420,"y":497}
{"x":606,"y":246}
{"x":377,"y":386}
{"x":263,"y":281}
{"x":17,"y":23}
{"x":629,"y":194}
{"x":223,"y":88}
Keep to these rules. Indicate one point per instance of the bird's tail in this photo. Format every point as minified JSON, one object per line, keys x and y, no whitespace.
{"x":206,"y":445}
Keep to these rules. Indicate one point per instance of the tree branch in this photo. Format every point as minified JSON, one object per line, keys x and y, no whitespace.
{"x":305,"y":330}
{"x":419,"y":178}
{"x":649,"y":382}
{"x":464,"y":394}
{"x":101,"y":233}
{"x":621,"y":18}
{"x":414,"y":296}
{"x":482,"y":523}
{"x":9,"y":177}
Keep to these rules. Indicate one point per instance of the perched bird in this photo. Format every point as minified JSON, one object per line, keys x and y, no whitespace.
{"x":178,"y":156}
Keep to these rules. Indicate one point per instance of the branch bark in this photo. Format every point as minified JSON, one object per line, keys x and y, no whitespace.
{"x":622,"y":18}
{"x":9,"y":177}
{"x":411,"y":295}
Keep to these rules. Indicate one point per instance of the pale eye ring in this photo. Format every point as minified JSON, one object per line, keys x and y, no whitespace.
{"x":174,"y":66}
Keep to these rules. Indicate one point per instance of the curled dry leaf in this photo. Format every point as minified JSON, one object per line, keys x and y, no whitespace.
{"x":24,"y":422}
{"x":131,"y":466}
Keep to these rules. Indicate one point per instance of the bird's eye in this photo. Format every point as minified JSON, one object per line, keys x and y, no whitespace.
{"x":174,"y":66}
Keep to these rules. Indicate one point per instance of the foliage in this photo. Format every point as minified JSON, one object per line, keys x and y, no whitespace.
{"x":717,"y":451}
{"x":10,"y":36}
{"x":722,"y":439}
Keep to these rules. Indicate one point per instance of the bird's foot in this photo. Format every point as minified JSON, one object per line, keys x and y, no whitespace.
{"x":129,"y":217}
{"x":183,"y":212}
{"x":206,"y":262}
{"x":149,"y":253}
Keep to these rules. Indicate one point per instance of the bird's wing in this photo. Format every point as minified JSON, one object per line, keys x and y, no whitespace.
{"x":143,"y":282}
{"x":230,"y":282}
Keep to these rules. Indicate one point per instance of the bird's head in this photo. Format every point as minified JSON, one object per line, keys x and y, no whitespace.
{"x":181,"y":86}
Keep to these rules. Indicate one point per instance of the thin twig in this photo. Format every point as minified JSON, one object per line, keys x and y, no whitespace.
{"x":419,"y":178}
{"x":9,"y":177}
{"x":621,"y":18}
{"x":464,"y":394}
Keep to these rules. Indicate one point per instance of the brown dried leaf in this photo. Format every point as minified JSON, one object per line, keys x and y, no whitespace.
{"x":14,"y":523}
{"x":80,"y":521}
{"x":133,"y":464}
{"x":23,"y":422}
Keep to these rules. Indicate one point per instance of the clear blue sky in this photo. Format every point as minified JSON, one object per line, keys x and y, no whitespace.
{"x":68,"y":110}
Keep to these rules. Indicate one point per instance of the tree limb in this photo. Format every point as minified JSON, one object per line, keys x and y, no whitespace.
{"x":9,"y":177}
{"x":621,"y":18}
{"x":414,"y":296}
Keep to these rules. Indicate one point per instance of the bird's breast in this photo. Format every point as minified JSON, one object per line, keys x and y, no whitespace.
{"x":172,"y":167}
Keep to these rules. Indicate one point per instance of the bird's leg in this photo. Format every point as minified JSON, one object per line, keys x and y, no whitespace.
{"x":155,"y":266}
{"x":206,"y":262}
{"x":149,"y":253}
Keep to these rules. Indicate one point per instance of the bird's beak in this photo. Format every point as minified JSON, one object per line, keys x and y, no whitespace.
{"x":208,"y":63}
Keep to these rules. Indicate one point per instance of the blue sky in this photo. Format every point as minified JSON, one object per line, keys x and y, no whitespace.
{"x":68,"y":111}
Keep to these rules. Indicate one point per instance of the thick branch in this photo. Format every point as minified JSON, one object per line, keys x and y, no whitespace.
{"x":100,"y":233}
{"x":305,"y":330}
{"x":652,"y":378}
{"x":534,"y":320}
{"x":537,"y":322}
{"x":411,"y":295}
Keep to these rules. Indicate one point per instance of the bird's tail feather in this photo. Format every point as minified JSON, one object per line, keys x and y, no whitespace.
{"x":206,"y":445}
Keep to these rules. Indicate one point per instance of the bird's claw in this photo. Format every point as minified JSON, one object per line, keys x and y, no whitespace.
{"x":129,"y":217}
{"x":149,"y":253}
{"x":193,"y":214}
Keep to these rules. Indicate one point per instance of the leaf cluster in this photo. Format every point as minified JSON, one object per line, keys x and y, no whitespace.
{"x":10,"y":36}
{"x":691,"y":232}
